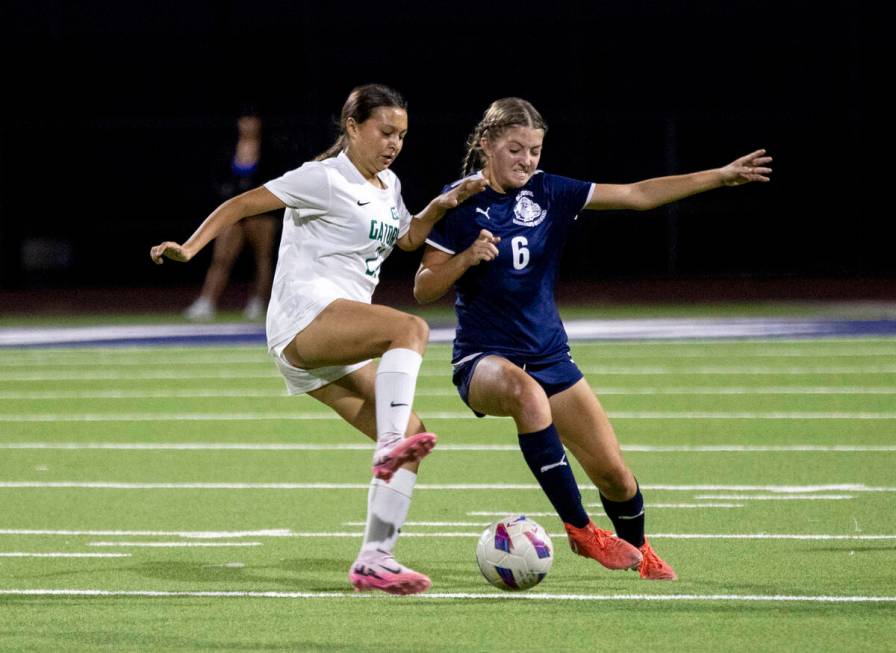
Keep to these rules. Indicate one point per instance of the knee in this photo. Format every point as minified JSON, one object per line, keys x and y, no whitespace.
{"x":414,"y":333}
{"x":528,"y":404}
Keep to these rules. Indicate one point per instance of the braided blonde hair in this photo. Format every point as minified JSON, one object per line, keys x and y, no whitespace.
{"x":500,"y":116}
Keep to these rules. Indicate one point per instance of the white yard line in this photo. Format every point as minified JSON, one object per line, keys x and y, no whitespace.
{"x":285,"y":533}
{"x":504,"y":513}
{"x":747,"y":390}
{"x":144,"y":375}
{"x":206,"y":535}
{"x":734,"y":370}
{"x":360,"y":446}
{"x":780,"y":497}
{"x":270,"y":372}
{"x":86,"y":361}
{"x":152,"y":358}
{"x":143,"y":394}
{"x":705,"y":353}
{"x":23,"y":554}
{"x":759,"y":448}
{"x":813,"y":537}
{"x":121,"y":485}
{"x":176,"y":545}
{"x":454,"y":596}
{"x":678,"y":506}
{"x":424,"y":414}
{"x":20,"y":395}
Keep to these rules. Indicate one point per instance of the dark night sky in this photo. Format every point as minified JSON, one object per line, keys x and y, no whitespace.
{"x":114,"y":114}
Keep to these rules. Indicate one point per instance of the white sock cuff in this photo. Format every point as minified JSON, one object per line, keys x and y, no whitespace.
{"x":400,"y":360}
{"x":402,"y":482}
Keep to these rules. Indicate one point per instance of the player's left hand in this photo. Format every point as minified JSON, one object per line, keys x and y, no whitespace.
{"x":752,"y":167}
{"x":461,"y":192}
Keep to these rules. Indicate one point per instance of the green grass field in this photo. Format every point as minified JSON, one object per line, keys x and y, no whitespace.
{"x":175,"y":499}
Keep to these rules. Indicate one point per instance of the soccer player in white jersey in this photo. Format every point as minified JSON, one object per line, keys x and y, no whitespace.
{"x":344,"y":213}
{"x":500,"y":251}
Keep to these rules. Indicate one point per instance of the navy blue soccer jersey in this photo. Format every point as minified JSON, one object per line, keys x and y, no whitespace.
{"x":507,"y":306}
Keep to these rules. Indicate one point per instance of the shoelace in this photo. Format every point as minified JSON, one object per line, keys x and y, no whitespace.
{"x":601,"y":537}
{"x":650,"y":559}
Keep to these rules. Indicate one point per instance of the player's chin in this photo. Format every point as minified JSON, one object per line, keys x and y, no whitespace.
{"x":519,"y":179}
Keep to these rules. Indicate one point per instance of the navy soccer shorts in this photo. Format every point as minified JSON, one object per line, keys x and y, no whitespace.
{"x":554,"y":375}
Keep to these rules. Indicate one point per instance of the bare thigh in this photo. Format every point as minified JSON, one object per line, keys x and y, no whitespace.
{"x":353,"y":398}
{"x":500,"y":388}
{"x":347,"y":332}
{"x":586,"y":430}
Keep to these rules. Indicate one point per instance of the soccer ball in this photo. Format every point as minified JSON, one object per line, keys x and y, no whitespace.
{"x":514,"y":553}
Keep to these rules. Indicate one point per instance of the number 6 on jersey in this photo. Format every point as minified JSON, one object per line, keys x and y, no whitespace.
{"x":520,"y":252}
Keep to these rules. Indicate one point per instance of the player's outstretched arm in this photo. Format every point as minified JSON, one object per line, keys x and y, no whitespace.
{"x":439,"y":270}
{"x":252,"y":202}
{"x":423,"y":222}
{"x":651,"y":193}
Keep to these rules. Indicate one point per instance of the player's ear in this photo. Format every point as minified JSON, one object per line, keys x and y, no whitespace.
{"x":485,"y":145}
{"x":351,"y":126}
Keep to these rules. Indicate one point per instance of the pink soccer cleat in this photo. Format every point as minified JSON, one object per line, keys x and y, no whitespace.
{"x":408,"y":450}
{"x":387,"y":575}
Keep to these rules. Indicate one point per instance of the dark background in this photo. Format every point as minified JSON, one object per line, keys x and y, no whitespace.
{"x":114,"y":115}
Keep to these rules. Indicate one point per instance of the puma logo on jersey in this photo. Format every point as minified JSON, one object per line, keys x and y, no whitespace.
{"x":485,"y":212}
{"x":562,"y":463}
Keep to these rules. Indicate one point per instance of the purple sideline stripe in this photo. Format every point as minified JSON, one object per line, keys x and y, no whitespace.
{"x":650,"y":329}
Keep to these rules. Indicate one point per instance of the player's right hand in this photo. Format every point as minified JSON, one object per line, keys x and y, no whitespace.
{"x":169,"y":249}
{"x":484,"y":248}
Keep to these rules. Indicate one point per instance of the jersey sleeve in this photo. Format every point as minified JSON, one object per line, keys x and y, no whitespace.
{"x":444,"y":234}
{"x":404,"y":216}
{"x":306,"y":189}
{"x":571,"y":195}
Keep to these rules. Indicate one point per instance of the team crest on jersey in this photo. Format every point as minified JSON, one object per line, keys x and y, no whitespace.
{"x":526,"y":212}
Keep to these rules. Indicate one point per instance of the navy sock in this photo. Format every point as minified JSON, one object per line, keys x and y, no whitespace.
{"x":546,"y":458}
{"x":627,"y":517}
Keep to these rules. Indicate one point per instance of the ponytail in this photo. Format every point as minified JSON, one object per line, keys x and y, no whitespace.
{"x":333,"y":150}
{"x":474,"y":158}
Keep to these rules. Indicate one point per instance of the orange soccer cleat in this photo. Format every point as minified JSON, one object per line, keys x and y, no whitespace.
{"x":653,"y":567}
{"x":603,"y":546}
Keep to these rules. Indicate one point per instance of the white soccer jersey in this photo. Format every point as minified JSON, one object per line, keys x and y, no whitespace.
{"x":337,"y":231}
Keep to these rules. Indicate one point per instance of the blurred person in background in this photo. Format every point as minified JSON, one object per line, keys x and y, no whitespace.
{"x":245,"y":167}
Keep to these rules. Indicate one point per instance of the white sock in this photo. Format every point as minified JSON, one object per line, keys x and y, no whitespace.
{"x":396,"y":380}
{"x":387,"y":508}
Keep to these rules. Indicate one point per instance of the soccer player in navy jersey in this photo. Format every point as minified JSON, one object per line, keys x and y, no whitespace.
{"x":500,"y":251}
